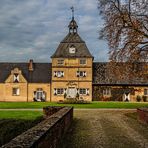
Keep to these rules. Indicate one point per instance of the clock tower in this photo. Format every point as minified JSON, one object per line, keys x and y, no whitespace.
{"x":72,"y":67}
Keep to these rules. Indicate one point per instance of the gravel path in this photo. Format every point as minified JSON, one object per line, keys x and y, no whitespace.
{"x":106,"y":129}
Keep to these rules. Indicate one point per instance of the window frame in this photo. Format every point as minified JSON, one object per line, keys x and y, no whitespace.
{"x":15,"y":91}
{"x":107,"y":92}
{"x":58,"y":74}
{"x":60,"y":61}
{"x":145,"y":92}
{"x":83,"y":63}
{"x":59,"y":91}
{"x":82,"y":91}
{"x":81,"y":74}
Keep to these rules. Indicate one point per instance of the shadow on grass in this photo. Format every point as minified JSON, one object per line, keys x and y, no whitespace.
{"x":10,"y":128}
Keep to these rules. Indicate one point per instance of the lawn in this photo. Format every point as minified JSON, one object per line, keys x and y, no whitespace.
{"x":13,"y":123}
{"x":93,"y":105}
{"x":24,"y":115}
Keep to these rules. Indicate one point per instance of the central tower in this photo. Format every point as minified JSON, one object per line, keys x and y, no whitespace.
{"x":72,"y":67}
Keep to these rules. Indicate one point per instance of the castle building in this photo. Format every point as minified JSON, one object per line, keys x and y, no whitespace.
{"x":72,"y":74}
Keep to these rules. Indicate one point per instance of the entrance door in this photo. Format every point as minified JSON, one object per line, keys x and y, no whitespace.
{"x":39,"y":95}
{"x":71,"y":92}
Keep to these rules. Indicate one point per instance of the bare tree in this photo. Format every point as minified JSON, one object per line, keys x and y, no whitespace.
{"x":125,"y":29}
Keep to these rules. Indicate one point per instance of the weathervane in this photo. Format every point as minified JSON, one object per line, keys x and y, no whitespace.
{"x":72,"y":9}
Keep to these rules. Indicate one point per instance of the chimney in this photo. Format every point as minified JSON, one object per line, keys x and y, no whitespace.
{"x":31,"y":65}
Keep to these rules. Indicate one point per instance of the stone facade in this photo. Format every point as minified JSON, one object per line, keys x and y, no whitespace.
{"x":118,"y":92}
{"x":70,"y":80}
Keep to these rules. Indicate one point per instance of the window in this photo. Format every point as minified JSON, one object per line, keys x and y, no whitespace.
{"x":59,"y":74}
{"x":146,"y":92}
{"x":15,"y":91}
{"x":16,"y":78}
{"x":58,"y":91}
{"x":84,"y":91}
{"x":81,"y":73}
{"x":60,"y":61}
{"x":107,"y":92}
{"x":82,"y":61}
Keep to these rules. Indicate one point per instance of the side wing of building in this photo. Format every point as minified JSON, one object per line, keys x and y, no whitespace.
{"x":25,"y":82}
{"x":108,"y":86}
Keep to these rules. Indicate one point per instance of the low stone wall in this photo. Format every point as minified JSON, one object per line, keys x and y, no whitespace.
{"x":50,"y":110}
{"x":46,"y":134}
{"x":143,"y":114}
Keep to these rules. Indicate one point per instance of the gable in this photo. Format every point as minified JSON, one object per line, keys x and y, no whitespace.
{"x":40,"y":74}
{"x":16,"y":77}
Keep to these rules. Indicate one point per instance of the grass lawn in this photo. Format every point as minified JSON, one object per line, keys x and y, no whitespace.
{"x":24,"y":115}
{"x":33,"y":105}
{"x":13,"y":123}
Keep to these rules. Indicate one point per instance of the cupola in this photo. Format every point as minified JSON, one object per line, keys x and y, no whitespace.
{"x":73,"y":24}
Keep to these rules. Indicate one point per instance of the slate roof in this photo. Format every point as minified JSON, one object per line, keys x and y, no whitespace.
{"x":72,"y":39}
{"x":101,"y":76}
{"x":41,"y":74}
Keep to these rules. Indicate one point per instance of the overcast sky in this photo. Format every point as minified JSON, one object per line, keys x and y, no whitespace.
{"x":32,"y":29}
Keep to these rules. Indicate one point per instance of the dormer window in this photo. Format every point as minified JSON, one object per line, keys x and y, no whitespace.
{"x":72,"y":49}
{"x":16,"y":78}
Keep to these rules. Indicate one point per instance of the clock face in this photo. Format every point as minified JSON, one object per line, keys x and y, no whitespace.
{"x":72,"y":50}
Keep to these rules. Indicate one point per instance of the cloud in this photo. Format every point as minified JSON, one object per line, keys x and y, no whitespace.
{"x":34,"y":28}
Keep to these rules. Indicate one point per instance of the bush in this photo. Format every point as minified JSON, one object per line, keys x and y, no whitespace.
{"x":74,"y":101}
{"x":138,"y":98}
{"x":144,"y":98}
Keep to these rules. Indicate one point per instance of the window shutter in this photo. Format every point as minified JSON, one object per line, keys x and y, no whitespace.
{"x":34,"y":94}
{"x":55,"y":91}
{"x":65,"y":90}
{"x":62,"y":73}
{"x":17,"y":78}
{"x":78,"y":73}
{"x":55,"y":74}
{"x":84,"y":73}
{"x":13,"y":78}
{"x":77,"y":90}
{"x":43,"y":95}
{"x":87,"y":91}
{"x":18,"y":91}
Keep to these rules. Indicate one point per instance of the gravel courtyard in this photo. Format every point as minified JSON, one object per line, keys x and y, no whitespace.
{"x":106,"y":129}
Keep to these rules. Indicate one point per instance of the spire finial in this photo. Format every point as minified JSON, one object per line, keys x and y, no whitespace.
{"x":72,"y":9}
